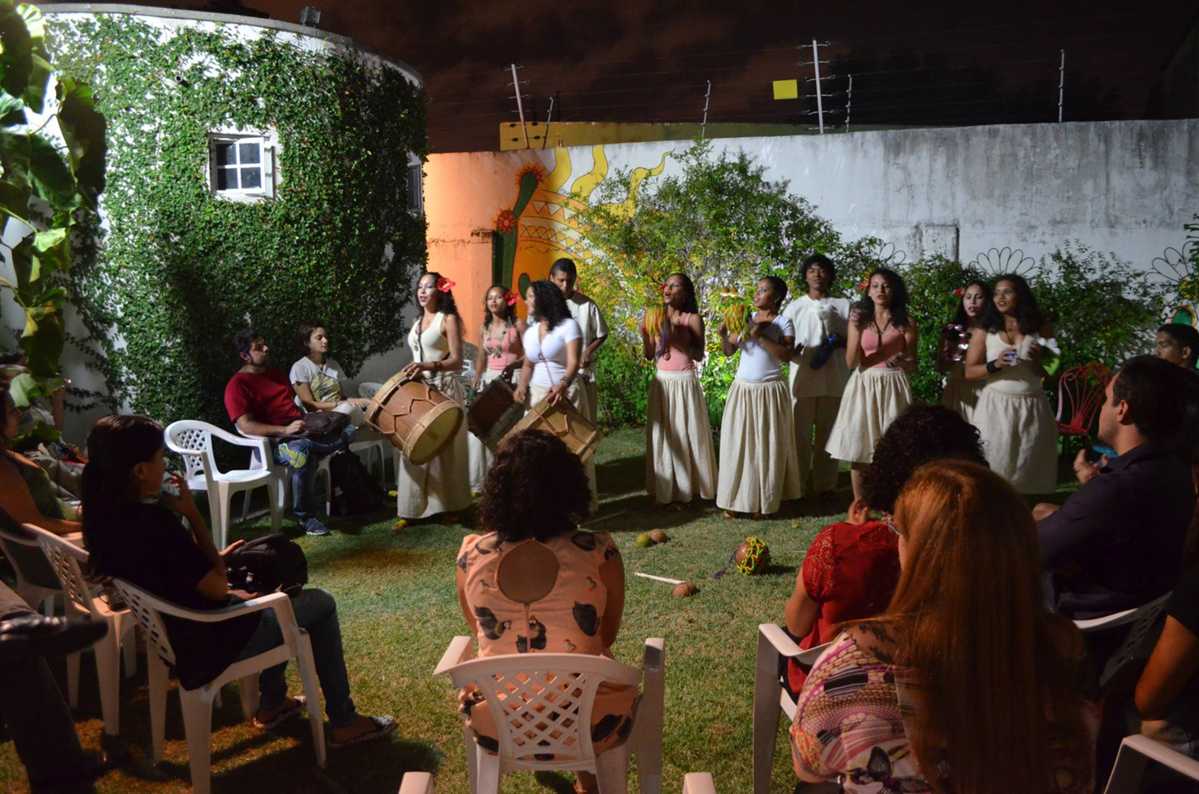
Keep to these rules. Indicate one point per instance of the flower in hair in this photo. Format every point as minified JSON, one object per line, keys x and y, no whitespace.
{"x":959,"y":292}
{"x":444,"y":284}
{"x":863,"y":285}
{"x":509,"y":297}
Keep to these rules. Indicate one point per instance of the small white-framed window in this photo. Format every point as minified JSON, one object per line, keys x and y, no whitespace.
{"x":415,"y":186}
{"x":242,"y":166}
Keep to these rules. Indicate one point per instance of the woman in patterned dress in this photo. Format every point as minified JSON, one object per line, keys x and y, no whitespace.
{"x":966,"y":684}
{"x":535,"y":583}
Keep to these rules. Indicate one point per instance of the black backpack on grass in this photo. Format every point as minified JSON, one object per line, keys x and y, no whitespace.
{"x":355,"y":491}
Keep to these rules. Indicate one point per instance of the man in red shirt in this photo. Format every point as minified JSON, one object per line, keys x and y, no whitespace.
{"x":260,"y":401}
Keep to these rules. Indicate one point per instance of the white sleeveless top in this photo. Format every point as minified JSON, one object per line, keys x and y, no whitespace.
{"x":433,"y":345}
{"x":1020,"y":379}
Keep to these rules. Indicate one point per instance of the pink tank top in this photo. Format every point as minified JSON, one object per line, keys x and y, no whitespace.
{"x":502,"y":353}
{"x":891,"y":343}
{"x":677,"y":345}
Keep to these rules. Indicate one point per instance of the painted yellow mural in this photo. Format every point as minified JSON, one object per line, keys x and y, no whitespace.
{"x":539,"y":227}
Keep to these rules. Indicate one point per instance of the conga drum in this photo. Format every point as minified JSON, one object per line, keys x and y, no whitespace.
{"x":417,"y":418}
{"x":493,"y":412}
{"x":564,"y":421}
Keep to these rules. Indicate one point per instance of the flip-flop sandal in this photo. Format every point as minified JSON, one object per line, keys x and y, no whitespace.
{"x":382,"y":727}
{"x":293,"y":707}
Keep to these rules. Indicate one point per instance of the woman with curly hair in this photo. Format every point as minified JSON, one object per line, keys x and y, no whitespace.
{"x":500,"y":354}
{"x":966,"y":683}
{"x":1013,"y":414}
{"x":553,"y":346}
{"x":851,"y":568}
{"x":680,"y":465}
{"x":533,"y":582}
{"x":881,"y":351}
{"x":442,"y":485}
{"x":959,"y":394}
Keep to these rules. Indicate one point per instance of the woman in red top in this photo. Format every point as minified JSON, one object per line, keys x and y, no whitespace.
{"x":851,"y":568}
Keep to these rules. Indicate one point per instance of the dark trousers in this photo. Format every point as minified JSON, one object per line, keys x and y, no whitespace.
{"x":35,"y":713}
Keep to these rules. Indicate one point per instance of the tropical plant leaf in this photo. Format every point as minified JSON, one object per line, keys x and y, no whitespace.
{"x":85,"y":130}
{"x":35,"y":88}
{"x":16,"y":58}
{"x":14,"y":200}
{"x":52,"y":179}
{"x":12,"y":111}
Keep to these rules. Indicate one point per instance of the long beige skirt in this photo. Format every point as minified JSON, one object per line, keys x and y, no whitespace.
{"x":873,"y":399}
{"x":480,"y":455}
{"x":1019,"y":437}
{"x":680,"y":465}
{"x":579,"y":398}
{"x":759,"y":467}
{"x":442,"y":485}
{"x":961,"y":395}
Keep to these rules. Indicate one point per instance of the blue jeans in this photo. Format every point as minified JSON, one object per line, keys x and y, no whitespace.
{"x":303,"y":504}
{"x":316,"y":612}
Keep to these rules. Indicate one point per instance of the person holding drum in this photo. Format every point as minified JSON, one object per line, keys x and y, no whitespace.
{"x":500,"y":355}
{"x":553,"y":345}
{"x":442,"y":484}
{"x":564,"y":275}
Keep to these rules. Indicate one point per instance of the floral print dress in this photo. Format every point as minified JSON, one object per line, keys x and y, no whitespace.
{"x":567,"y":620}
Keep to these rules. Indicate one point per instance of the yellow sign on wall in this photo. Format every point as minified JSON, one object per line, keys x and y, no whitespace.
{"x":786,"y":89}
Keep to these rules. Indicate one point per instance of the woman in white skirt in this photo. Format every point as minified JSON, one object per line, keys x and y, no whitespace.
{"x":680,"y":465}
{"x":759,"y":467}
{"x":1013,"y":415}
{"x":959,"y":394}
{"x":553,"y":345}
{"x":441,"y":485}
{"x":500,"y":354}
{"x":881,"y":351}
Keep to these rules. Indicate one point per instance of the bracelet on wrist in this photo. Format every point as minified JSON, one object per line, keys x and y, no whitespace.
{"x":993,"y":366}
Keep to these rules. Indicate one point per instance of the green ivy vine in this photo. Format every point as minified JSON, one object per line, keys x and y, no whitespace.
{"x":178,"y":271}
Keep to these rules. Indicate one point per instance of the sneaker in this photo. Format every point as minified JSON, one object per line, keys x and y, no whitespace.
{"x":296,"y":458}
{"x":315,"y":528}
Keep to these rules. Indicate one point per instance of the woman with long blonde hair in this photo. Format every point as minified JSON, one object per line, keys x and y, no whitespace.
{"x":966,"y":684}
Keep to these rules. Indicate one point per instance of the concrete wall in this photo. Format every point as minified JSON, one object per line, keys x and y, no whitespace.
{"x":1126,"y":187}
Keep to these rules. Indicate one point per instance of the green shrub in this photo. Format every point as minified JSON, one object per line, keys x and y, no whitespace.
{"x":623,"y":376}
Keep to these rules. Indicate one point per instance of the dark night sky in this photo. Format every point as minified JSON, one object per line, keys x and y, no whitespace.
{"x":634,"y":60}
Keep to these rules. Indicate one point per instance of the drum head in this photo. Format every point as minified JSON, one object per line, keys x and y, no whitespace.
{"x":437,"y":433}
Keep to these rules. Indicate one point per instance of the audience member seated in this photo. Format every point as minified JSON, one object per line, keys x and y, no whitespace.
{"x":536,"y":583}
{"x":1167,"y":695}
{"x":260,"y":401}
{"x":851,"y":568}
{"x":1178,"y":344}
{"x":318,"y":379}
{"x":32,"y":707}
{"x":966,"y":683}
{"x":26,"y":494}
{"x":133,"y":532}
{"x":1118,"y":541}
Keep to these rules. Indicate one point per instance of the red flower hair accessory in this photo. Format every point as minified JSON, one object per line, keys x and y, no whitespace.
{"x":863,"y":285}
{"x":444,"y":284}
{"x":959,"y":292}
{"x":510,"y":297}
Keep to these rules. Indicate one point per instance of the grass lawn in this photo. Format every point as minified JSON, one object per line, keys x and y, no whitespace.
{"x":395,"y":595}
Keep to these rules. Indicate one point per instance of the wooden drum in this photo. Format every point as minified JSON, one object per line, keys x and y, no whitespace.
{"x":564,"y":421}
{"x":417,"y":418}
{"x":493,"y":413}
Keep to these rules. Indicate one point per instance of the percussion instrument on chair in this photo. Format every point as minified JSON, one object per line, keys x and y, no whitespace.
{"x":493,"y":412}
{"x":564,"y":421}
{"x":417,"y":418}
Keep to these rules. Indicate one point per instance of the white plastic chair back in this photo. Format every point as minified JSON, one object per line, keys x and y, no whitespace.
{"x":541,"y":703}
{"x":149,"y":618}
{"x":37,"y":582}
{"x":192,"y":441}
{"x":65,"y":557}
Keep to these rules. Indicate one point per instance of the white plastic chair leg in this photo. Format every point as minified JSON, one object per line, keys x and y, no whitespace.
{"x":274,"y":503}
{"x":220,"y":529}
{"x":612,"y":770}
{"x":766,"y":713}
{"x":306,"y":665}
{"x":129,"y":649}
{"x":197,"y":725}
{"x":108,"y":670}
{"x":248,"y":690}
{"x":215,"y":495}
{"x":156,"y":673}
{"x":487,"y":778}
{"x":416,"y":783}
{"x":73,"y":680}
{"x":472,"y":762}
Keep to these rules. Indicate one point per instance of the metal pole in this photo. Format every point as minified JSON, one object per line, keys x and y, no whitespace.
{"x":848,"y":102}
{"x":819,"y":99}
{"x":703,"y":126}
{"x":520,"y":107}
{"x":1061,"y":84}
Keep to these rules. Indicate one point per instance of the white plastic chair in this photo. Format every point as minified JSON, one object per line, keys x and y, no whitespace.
{"x":67,"y":558}
{"x":193,"y":441}
{"x":1135,"y":754}
{"x":1121,"y":618}
{"x":551,"y":711}
{"x":197,"y":703}
{"x":36,"y":585}
{"x":416,"y":783}
{"x":770,"y":697}
{"x":698,"y":783}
